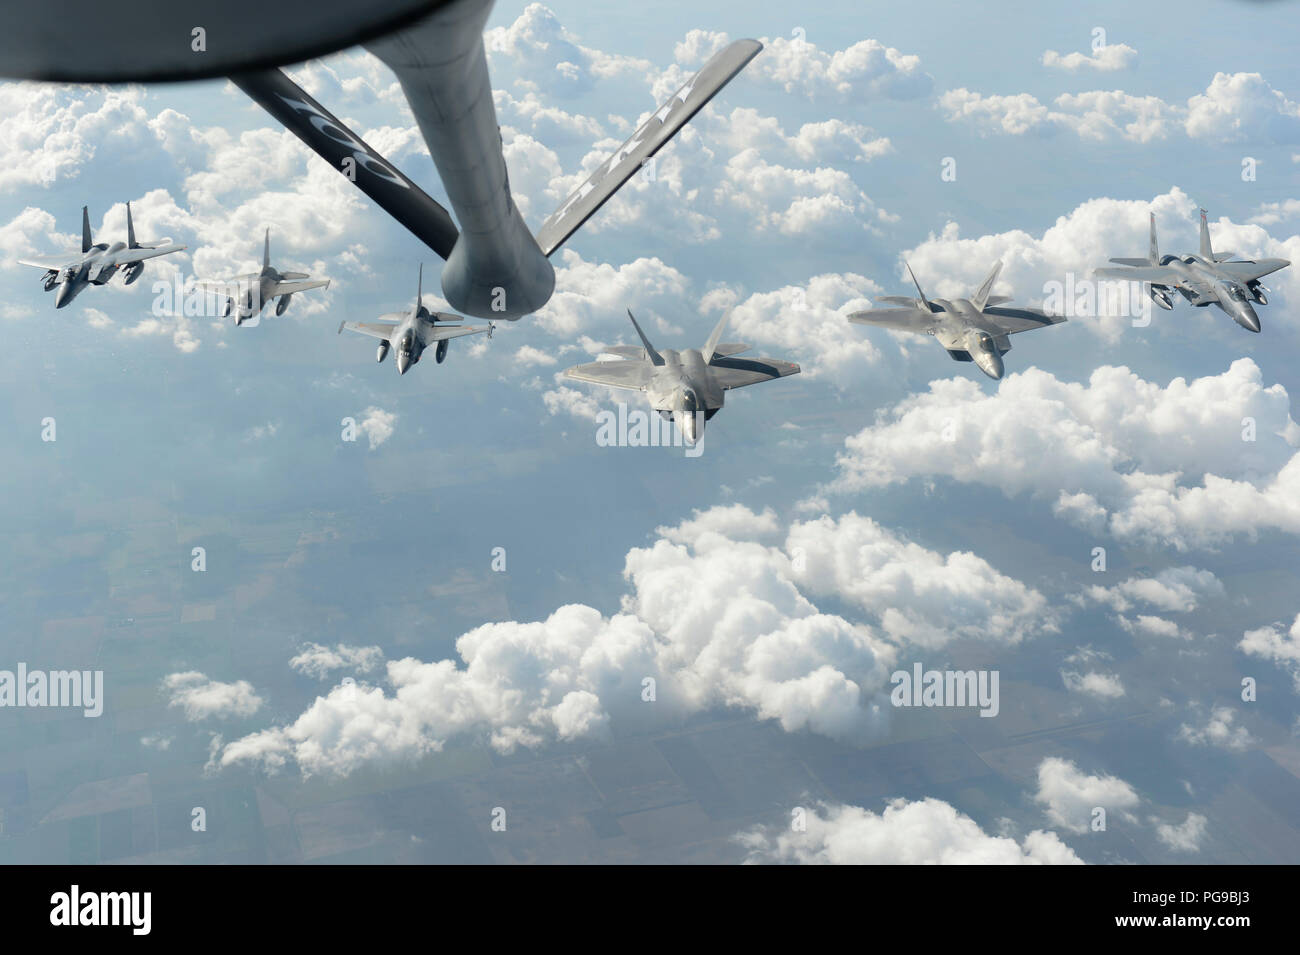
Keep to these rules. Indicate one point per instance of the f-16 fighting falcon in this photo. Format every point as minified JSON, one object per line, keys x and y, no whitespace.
{"x":1205,"y":279}
{"x":247,"y":295}
{"x":971,"y":329}
{"x":409,"y":333}
{"x":98,"y":261}
{"x":687,"y":386}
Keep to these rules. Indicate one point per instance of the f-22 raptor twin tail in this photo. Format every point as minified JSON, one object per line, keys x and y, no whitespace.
{"x":409,"y":333}
{"x":683,"y":386}
{"x":1205,"y":279}
{"x":971,"y":329}
{"x":98,"y":261}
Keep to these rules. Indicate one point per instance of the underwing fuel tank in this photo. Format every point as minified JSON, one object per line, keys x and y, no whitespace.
{"x":1161,"y":297}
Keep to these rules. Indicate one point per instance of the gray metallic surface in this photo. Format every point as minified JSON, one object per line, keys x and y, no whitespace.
{"x":684,"y":386}
{"x":97,"y":262}
{"x":247,"y":295}
{"x":652,"y":135}
{"x":496,"y":268}
{"x":1205,"y":278}
{"x":972,"y":329}
{"x":407,"y":334}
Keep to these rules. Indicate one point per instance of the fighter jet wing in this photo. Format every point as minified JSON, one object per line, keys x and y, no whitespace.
{"x":1249,"y":271}
{"x":653,"y":134}
{"x":437,"y":333}
{"x":899,"y":319}
{"x":635,"y":352}
{"x":1159,"y":274}
{"x":140,"y":254}
{"x":50,"y":265}
{"x":732,"y":373}
{"x":632,"y":375}
{"x":729,"y":348}
{"x":373,"y":329}
{"x":288,"y":288}
{"x":1009,"y":321}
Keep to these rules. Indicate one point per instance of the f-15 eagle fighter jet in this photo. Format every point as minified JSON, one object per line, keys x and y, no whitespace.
{"x":1209,"y":278}
{"x":97,"y":262}
{"x":409,"y":333}
{"x":970,"y":329}
{"x":688,"y":386}
{"x":247,"y":295}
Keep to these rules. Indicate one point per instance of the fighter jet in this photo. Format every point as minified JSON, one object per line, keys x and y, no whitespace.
{"x":247,"y":295}
{"x":687,"y":386}
{"x":971,"y":329}
{"x":410,"y":333}
{"x":1205,"y":279}
{"x":98,"y":261}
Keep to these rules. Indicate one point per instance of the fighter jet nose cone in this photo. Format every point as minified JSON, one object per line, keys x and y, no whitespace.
{"x":61,"y":297}
{"x":692,"y":429}
{"x":991,"y":364}
{"x":1248,"y":319}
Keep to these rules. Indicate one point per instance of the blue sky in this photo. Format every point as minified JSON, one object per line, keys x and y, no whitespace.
{"x":828,"y":535}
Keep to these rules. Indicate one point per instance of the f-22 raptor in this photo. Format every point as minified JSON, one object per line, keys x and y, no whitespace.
{"x":98,"y":261}
{"x":687,"y":387}
{"x":971,"y":329}
{"x":1205,"y":279}
{"x":409,"y":333}
{"x":247,"y":295}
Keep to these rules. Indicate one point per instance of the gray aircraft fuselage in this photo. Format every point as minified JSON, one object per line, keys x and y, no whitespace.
{"x":963,"y":327}
{"x":96,"y":268}
{"x":255,"y":297}
{"x":683,"y":390}
{"x":407,"y":340}
{"x":1224,"y":290}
